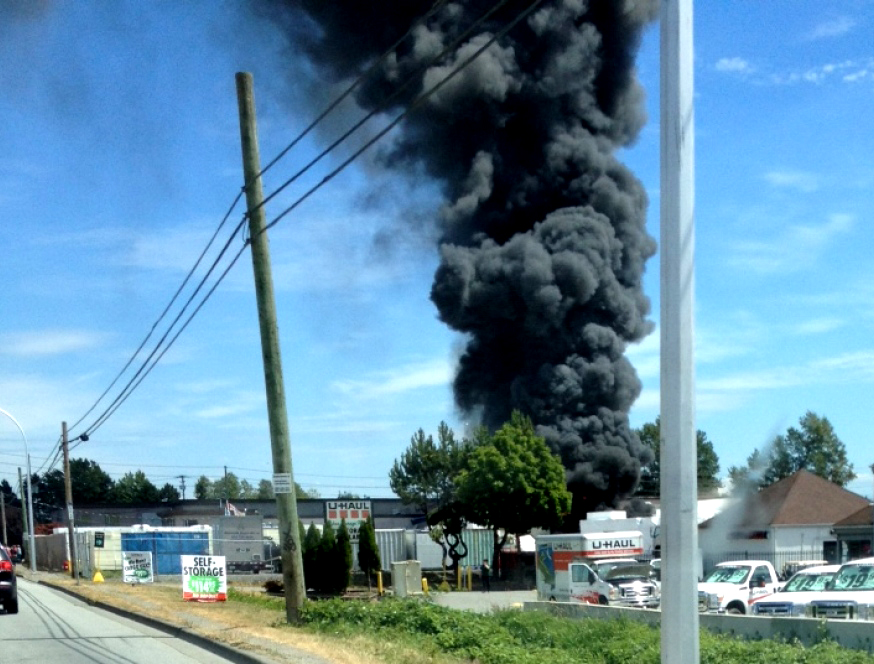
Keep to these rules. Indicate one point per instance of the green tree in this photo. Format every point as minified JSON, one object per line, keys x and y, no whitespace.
{"x":265,"y":491}
{"x":513,"y":483}
{"x":425,"y":475}
{"x":368,"y":551}
{"x":226,"y":487}
{"x":203,"y":489}
{"x":247,"y":491}
{"x":343,"y":561}
{"x":168,"y":494}
{"x":304,"y":494}
{"x":50,"y":488}
{"x":813,"y":446}
{"x":752,"y":474}
{"x":650,"y":474}
{"x":327,"y":560}
{"x":90,"y":485}
{"x":310,"y":555}
{"x":8,"y":492}
{"x":135,"y":488}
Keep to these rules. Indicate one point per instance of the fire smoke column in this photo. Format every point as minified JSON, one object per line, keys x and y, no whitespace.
{"x":543,"y":240}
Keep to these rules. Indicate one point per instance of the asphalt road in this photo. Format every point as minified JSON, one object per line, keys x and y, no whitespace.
{"x":54,"y":627}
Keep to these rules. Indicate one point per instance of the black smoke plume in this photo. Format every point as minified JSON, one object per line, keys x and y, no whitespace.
{"x":543,"y":240}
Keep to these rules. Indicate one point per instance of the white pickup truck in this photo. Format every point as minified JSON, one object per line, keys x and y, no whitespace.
{"x":849,"y":595}
{"x":792,"y":599}
{"x":733,"y":585}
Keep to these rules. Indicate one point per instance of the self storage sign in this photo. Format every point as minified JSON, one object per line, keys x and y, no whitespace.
{"x":204,"y":579}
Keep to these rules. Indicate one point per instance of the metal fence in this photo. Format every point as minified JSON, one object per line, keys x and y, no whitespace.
{"x":782,"y":560}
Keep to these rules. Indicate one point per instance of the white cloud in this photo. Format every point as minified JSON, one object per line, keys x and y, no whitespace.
{"x":644,"y":356}
{"x":432,"y":373}
{"x":793,"y":249}
{"x":241,"y":404}
{"x":835,"y":27}
{"x":49,"y":342}
{"x":736,"y":65}
{"x":807,"y":236}
{"x":818,"y":326}
{"x":800,"y":180}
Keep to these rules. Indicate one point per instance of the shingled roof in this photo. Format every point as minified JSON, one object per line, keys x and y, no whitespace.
{"x":798,"y":500}
{"x":862,"y":517}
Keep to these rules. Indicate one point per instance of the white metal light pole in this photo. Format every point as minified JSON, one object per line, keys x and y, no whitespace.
{"x":31,"y":553}
{"x":680,"y":642}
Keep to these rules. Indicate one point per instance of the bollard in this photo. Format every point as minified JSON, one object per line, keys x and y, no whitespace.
{"x":424,"y":585}
{"x":469,"y":578}
{"x":379,"y":583}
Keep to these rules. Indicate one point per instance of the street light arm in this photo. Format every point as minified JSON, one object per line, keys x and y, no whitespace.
{"x":31,"y":554}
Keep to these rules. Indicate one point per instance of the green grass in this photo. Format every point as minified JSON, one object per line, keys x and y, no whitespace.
{"x":434,"y":633}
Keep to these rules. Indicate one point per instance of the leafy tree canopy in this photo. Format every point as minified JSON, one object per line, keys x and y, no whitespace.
{"x":203,"y":489}
{"x":650,"y":474}
{"x":135,"y":488}
{"x":425,"y":476}
{"x":514,"y":482}
{"x":168,"y":494}
{"x":265,"y":490}
{"x":813,"y":446}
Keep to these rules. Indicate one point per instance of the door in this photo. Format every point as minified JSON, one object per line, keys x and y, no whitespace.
{"x":583,"y":584}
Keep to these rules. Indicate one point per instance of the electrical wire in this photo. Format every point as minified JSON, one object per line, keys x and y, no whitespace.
{"x":414,"y":105}
{"x":349,"y":90}
{"x":143,"y":371}
{"x":166,"y":309}
{"x":154,"y":357}
{"x":384,"y":105}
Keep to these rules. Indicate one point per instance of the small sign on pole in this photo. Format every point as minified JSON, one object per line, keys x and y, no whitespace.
{"x":99,"y":538}
{"x":136,"y":567}
{"x":204,"y":579}
{"x":282,"y":483}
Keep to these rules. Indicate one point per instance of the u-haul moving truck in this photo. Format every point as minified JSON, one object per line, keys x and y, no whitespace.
{"x":595,"y":568}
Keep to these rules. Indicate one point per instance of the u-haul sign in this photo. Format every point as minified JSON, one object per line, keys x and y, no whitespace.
{"x":619,"y":544}
{"x":353,"y":512}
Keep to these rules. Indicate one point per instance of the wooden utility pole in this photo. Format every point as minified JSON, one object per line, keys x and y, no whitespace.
{"x":68,"y":492}
{"x":283,"y":477}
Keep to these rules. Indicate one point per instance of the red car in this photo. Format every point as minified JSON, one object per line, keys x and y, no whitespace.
{"x":8,"y":586}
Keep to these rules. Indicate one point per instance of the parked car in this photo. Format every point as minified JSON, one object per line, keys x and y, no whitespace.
{"x":8,"y":585}
{"x":792,"y":599}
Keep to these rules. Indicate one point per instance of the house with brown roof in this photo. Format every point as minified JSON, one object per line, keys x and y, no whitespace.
{"x":793,"y":519}
{"x":856,"y":533}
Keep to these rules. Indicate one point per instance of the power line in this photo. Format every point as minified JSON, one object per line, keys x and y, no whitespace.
{"x":154,"y":357}
{"x":413,"y":106}
{"x":165,"y":311}
{"x":133,"y":385}
{"x":385,"y":104}
{"x":348,"y":91}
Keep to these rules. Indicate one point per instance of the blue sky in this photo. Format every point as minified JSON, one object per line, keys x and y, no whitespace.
{"x":120,"y":156}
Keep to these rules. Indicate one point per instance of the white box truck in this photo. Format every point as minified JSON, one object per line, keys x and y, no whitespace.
{"x":595,"y":568}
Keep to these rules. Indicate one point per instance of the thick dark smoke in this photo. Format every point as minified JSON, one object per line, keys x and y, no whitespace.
{"x":543,"y":242}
